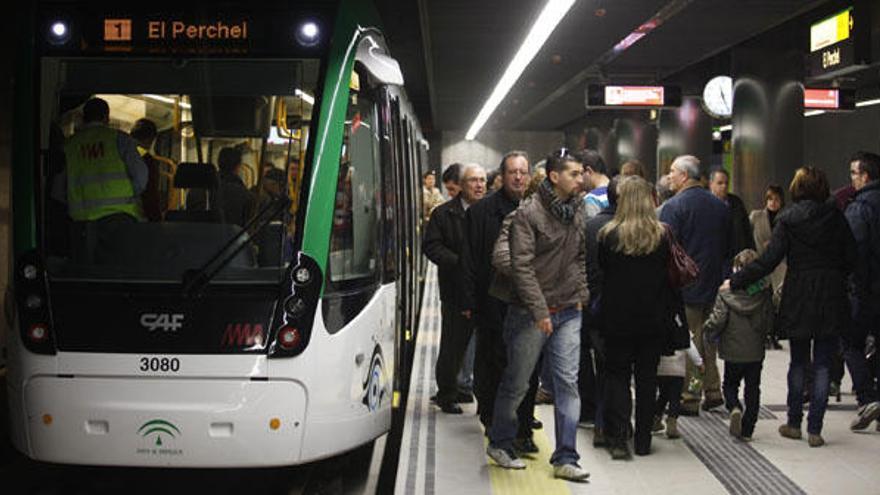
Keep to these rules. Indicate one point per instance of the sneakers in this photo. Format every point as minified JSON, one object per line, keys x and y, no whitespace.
{"x":709,"y":404}
{"x":570,"y":472}
{"x":525,"y":446}
{"x":867,"y":413}
{"x":672,"y":428}
{"x":505,"y":458}
{"x":788,"y":431}
{"x":736,"y":422}
{"x":658,"y":424}
{"x":815,"y":440}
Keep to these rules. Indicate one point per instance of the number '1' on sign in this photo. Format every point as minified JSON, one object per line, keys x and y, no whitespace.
{"x":117,"y":29}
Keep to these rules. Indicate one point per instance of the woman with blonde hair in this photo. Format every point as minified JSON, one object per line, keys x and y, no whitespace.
{"x":633,"y":254}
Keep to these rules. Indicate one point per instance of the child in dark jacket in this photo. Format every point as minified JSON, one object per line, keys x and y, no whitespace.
{"x":739,"y":324}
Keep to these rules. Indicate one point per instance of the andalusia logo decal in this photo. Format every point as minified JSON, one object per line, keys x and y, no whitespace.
{"x":160,"y":427}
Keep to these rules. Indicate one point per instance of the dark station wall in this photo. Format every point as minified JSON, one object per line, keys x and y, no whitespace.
{"x":831,"y":138}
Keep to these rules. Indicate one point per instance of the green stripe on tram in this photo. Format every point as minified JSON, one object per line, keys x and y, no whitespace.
{"x":351,"y":15}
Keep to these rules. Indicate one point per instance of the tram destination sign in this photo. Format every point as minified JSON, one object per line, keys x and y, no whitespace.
{"x":619,"y":96}
{"x":840,"y":43}
{"x":202,"y":32}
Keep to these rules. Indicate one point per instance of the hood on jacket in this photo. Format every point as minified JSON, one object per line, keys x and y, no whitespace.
{"x":739,"y":301}
{"x":808,"y":217}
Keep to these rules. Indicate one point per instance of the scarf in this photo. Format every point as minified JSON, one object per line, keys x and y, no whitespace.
{"x":563,"y":210}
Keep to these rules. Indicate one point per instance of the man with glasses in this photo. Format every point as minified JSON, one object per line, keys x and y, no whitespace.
{"x":863,"y":216}
{"x":483,"y":226}
{"x":443,"y":243}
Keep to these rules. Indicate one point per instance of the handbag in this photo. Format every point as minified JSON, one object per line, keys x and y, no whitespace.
{"x":682,"y":269}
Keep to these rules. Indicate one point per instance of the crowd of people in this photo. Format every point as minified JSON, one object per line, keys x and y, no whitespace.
{"x":575,"y":280}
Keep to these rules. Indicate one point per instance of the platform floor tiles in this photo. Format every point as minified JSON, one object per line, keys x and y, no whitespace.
{"x":445,"y":454}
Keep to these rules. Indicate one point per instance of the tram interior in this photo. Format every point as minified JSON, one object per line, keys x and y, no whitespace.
{"x":263,"y":109}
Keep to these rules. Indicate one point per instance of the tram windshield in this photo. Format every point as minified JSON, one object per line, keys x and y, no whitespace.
{"x":194,"y":153}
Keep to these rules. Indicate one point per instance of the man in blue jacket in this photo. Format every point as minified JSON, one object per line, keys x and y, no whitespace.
{"x":701,"y":223}
{"x":863,"y":216}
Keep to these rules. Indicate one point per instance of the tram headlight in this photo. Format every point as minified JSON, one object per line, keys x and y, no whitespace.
{"x":59,"y":32}
{"x":302,"y":276}
{"x":294,"y":307}
{"x":308,"y":33}
{"x":289,"y":337}
{"x":33,"y":301}
{"x":38,"y":332}
{"x":29,"y":272}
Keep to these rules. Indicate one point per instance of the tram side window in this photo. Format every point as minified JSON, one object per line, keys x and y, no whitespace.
{"x":354,"y":238}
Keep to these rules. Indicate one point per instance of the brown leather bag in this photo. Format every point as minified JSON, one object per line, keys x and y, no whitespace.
{"x":682,"y":269}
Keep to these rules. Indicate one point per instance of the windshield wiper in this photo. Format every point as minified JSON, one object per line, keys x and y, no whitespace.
{"x":195,"y":280}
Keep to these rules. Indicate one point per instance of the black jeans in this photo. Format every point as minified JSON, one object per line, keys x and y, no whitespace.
{"x":670,"y":393}
{"x":589,"y":382}
{"x":455,"y":333}
{"x":490,"y":360}
{"x":623,"y":358}
{"x":859,"y":369}
{"x":734,"y":373}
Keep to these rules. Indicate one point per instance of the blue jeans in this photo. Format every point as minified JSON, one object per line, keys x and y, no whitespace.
{"x":561,"y":350}
{"x":797,"y":373}
{"x":466,"y":373}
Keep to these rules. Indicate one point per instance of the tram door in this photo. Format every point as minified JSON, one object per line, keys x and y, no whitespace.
{"x":393,"y":163}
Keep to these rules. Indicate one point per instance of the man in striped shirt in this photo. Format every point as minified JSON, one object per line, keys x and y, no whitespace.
{"x":596,"y":178}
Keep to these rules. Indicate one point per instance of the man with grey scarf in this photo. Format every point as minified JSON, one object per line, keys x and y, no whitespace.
{"x":548,"y":267}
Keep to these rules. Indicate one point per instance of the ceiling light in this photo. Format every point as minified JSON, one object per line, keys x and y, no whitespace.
{"x":725,"y":128}
{"x":547,"y":21}
{"x":868,"y":103}
{"x":811,"y":113}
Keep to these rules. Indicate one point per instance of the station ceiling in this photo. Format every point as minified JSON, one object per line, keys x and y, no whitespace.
{"x":454,"y":51}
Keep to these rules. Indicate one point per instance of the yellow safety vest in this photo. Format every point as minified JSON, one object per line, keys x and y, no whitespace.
{"x":98,"y":184}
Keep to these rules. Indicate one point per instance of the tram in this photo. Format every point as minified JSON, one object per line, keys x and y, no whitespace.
{"x":188,"y":340}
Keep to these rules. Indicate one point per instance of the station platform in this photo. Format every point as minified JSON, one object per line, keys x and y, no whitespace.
{"x":443,"y":453}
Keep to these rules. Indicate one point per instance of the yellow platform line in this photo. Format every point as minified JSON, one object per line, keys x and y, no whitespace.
{"x":536,"y":478}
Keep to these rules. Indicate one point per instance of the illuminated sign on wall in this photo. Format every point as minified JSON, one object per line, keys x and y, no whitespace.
{"x":831,"y":30}
{"x":829,"y":99}
{"x":840,"y":43}
{"x":633,"y":96}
